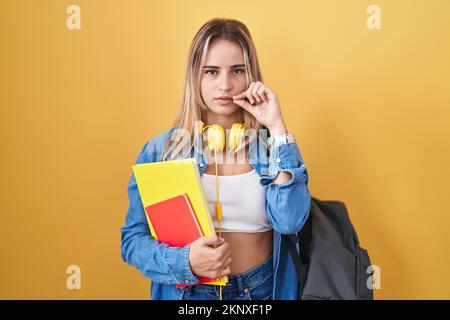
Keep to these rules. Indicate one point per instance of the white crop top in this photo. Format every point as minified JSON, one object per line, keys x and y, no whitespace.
{"x":242,"y":199}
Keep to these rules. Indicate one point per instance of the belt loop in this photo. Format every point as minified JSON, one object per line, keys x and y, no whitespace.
{"x":217,"y":290}
{"x":240,"y":284}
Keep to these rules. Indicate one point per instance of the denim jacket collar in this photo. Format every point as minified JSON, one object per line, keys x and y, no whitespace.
{"x":257,"y":153}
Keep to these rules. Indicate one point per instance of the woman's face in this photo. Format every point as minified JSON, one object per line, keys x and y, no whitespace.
{"x":223,"y":74}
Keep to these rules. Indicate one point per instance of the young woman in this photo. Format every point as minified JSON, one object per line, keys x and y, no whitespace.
{"x":263,"y":182}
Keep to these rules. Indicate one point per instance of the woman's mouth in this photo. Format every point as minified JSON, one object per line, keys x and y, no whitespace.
{"x":224,"y":100}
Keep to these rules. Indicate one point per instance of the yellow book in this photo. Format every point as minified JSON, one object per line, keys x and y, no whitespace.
{"x":158,"y":181}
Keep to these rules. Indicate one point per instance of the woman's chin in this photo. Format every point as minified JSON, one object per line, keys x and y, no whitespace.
{"x":225,"y":109}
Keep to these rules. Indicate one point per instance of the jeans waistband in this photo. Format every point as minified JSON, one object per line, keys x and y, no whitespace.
{"x":242,"y":280}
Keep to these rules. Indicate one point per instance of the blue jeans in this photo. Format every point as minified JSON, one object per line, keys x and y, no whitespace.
{"x":254,"y":284}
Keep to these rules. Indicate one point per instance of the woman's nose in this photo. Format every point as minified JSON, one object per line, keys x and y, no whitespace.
{"x":225,"y":82}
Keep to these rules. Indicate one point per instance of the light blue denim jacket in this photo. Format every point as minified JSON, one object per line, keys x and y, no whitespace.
{"x":287,"y":206}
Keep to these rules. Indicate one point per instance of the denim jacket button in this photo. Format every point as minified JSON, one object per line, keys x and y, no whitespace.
{"x":278,"y":160}
{"x":202,"y":165}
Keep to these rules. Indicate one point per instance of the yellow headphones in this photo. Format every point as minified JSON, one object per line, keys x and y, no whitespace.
{"x":216,"y":136}
{"x":215,"y":140}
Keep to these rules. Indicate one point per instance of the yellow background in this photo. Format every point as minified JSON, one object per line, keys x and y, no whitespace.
{"x":369,"y":108}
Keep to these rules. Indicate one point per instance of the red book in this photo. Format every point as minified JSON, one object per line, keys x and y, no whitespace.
{"x":176,"y":224}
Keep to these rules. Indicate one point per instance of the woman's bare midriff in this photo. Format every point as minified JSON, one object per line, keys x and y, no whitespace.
{"x":247,"y":249}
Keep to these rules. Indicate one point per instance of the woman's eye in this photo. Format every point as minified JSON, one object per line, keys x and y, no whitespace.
{"x":214,"y":72}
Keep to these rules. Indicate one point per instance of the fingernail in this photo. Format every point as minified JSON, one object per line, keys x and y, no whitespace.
{"x":222,"y":239}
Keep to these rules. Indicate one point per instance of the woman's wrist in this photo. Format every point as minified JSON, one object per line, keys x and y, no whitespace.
{"x":278,"y":130}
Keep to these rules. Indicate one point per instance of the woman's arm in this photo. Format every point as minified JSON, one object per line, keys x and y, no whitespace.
{"x":287,"y":198}
{"x":287,"y":202}
{"x":157,"y":261}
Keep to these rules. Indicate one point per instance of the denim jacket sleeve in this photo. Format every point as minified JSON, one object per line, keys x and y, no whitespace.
{"x":157,"y":261}
{"x":288,"y":203}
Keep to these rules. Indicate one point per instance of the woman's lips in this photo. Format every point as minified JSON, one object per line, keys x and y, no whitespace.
{"x":224,"y":101}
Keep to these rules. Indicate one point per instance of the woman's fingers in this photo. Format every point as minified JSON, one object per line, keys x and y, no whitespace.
{"x":244,"y":104}
{"x":225,"y":272}
{"x":227,"y":262}
{"x":249,"y":93}
{"x":226,"y":256}
{"x":241,"y":95}
{"x":262,"y":93}
{"x":255,"y":90}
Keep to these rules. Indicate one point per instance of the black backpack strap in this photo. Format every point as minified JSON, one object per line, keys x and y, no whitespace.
{"x":301,"y":261}
{"x":300,"y":267}
{"x":291,"y":241}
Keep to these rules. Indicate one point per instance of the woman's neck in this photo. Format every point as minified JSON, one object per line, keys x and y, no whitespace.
{"x":225,"y":121}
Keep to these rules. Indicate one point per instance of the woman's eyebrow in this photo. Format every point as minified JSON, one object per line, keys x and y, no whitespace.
{"x":233,"y":66}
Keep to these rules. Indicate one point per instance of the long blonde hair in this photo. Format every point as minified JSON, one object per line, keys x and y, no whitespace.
{"x":192,"y":105}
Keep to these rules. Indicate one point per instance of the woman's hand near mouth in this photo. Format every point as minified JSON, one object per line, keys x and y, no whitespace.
{"x":264,"y":106}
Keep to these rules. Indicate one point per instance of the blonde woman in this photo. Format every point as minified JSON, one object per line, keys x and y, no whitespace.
{"x":263,"y":182}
